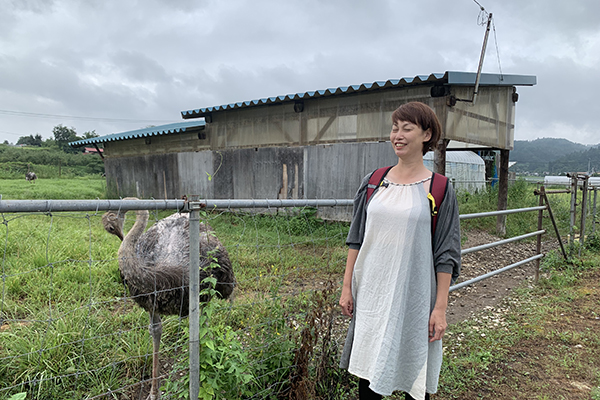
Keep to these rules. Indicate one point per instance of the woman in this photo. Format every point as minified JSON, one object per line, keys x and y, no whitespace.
{"x":397,"y":276}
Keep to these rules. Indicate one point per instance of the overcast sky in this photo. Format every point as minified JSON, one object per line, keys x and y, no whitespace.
{"x":118,"y":65}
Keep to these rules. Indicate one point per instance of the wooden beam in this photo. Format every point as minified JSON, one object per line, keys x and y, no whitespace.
{"x":324,"y":128}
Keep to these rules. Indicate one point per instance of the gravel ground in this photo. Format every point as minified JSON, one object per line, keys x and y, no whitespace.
{"x":465,"y":302}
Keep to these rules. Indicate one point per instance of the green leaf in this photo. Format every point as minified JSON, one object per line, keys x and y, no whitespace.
{"x":210,"y":345}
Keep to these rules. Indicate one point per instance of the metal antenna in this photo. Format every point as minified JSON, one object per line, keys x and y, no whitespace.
{"x":485,"y":39}
{"x":453,"y":99}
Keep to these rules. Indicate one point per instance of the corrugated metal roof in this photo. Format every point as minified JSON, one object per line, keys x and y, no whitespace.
{"x":140,"y":133}
{"x":447,"y":78}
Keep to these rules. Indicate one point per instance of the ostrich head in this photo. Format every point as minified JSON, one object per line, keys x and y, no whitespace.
{"x":113,"y":223}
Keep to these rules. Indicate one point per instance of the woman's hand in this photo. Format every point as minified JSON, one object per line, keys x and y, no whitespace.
{"x":437,"y":319}
{"x":346,"y":302}
{"x":437,"y":324}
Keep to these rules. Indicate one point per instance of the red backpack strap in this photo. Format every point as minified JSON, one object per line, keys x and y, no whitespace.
{"x":375,"y":180}
{"x":437,"y":191}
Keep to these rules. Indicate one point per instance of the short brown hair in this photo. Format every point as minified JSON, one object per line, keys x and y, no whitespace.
{"x":420,"y":114}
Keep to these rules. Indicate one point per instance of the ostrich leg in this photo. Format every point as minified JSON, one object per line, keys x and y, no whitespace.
{"x":156,"y":332}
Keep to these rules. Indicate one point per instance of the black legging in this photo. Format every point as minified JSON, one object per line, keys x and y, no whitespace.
{"x":364,"y":393}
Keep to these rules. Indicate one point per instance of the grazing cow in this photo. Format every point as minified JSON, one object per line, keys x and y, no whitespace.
{"x":30,"y":177}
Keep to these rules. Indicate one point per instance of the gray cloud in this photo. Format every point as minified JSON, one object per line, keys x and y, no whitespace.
{"x":149,"y":60}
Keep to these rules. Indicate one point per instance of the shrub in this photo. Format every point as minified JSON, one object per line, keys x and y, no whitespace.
{"x":224,"y":367}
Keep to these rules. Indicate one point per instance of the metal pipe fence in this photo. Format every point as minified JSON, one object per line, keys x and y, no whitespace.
{"x":578,"y":181}
{"x":194,"y":207}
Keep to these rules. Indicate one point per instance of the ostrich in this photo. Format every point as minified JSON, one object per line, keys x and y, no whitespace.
{"x":30,"y":177}
{"x":155,"y":268}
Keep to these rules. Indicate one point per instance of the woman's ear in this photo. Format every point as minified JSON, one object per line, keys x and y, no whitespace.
{"x":427,"y":137}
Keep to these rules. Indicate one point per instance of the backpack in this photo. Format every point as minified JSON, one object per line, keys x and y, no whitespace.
{"x":437,"y":191}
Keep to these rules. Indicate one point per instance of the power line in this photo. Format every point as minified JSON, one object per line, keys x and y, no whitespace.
{"x":101,"y":119}
{"x":497,"y":50}
{"x":11,"y":133}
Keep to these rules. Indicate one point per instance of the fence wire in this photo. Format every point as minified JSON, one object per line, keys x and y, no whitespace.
{"x":69,"y":328}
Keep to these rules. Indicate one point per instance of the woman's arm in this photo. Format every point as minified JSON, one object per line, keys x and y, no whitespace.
{"x":437,"y":319}
{"x":346,"y":301}
{"x":446,"y":238}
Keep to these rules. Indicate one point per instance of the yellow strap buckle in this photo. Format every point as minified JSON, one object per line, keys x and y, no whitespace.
{"x":432,"y":201}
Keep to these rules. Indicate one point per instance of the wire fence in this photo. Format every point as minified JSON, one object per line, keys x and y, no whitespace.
{"x":69,"y":328}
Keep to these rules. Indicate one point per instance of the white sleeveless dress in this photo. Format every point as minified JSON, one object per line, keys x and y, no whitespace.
{"x":394,"y":291}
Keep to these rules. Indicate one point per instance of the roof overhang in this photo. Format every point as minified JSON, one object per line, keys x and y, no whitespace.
{"x":142,"y":133}
{"x":447,"y":78}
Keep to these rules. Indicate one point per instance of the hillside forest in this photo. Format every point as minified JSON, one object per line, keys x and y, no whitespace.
{"x":50,"y":158}
{"x":550,"y":156}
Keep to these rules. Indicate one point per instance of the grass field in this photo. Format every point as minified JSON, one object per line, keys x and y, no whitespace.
{"x":69,"y":330}
{"x":53,"y":189}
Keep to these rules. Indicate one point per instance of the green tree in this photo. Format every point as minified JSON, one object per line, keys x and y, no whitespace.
{"x":50,"y":142}
{"x":63,"y":136}
{"x":90,"y":134}
{"x":38,"y":140}
{"x":31,"y":140}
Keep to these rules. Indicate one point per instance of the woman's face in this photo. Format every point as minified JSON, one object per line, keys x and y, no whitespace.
{"x":408,"y":138}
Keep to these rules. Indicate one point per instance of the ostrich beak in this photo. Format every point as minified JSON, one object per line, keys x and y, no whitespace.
{"x":112,"y":224}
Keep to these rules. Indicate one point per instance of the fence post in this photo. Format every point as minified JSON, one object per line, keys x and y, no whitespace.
{"x":542,"y":193}
{"x":194,"y":307}
{"x":502,"y":192}
{"x":583,"y":212}
{"x":594,"y":211}
{"x":573,"y":206}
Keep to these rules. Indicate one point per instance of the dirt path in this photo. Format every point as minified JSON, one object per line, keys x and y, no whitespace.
{"x":487,"y":293}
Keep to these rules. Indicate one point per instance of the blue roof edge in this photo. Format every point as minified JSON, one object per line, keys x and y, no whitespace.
{"x":139,"y":133}
{"x":448,"y":77}
{"x":468,"y":78}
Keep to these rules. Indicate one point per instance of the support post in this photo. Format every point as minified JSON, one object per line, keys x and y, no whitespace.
{"x":562,"y":248}
{"x":439,"y":157}
{"x":502,"y":192}
{"x":194,"y":307}
{"x":539,"y":237}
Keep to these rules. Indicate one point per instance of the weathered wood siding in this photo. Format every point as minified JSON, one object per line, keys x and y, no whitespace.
{"x":274,"y":152}
{"x":315,"y":172}
{"x":149,"y":176}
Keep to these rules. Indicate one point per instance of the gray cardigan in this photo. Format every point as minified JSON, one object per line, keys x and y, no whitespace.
{"x":446,"y":239}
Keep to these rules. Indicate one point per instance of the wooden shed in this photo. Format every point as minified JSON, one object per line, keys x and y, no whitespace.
{"x":314,"y":145}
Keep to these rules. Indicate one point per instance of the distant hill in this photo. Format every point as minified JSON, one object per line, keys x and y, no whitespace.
{"x":582,"y":161}
{"x":542,"y":156}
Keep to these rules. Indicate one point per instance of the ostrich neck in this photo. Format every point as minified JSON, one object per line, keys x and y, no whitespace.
{"x":127,"y":256}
